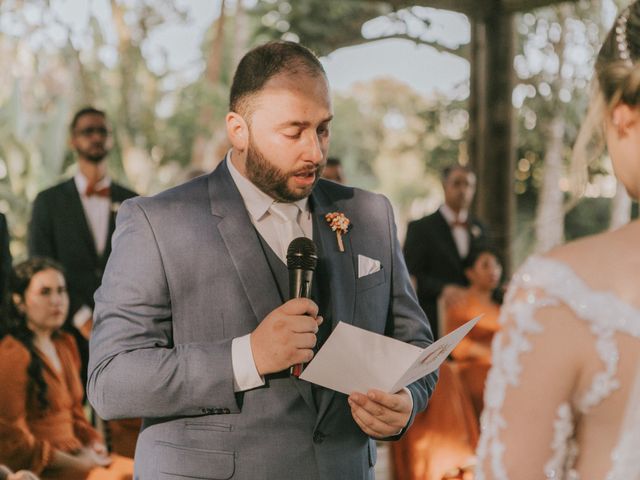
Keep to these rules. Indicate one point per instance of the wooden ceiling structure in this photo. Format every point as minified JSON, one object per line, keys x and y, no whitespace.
{"x":491,"y":120}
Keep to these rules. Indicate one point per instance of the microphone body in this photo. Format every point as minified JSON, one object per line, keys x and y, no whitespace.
{"x":301,"y":263}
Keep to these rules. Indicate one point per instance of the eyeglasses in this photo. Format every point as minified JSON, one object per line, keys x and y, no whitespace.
{"x":89,"y":131}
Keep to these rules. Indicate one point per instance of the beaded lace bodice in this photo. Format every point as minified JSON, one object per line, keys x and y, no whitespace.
{"x":541,"y":285}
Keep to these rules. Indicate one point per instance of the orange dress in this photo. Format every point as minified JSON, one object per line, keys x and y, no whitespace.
{"x":442,"y":439}
{"x":28,"y":437}
{"x":473,"y":367}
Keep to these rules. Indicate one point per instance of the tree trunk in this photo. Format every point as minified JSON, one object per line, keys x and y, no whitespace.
{"x":550,"y":211}
{"x":204,"y":148}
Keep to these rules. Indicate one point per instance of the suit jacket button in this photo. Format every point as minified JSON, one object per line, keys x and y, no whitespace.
{"x":318,"y":437}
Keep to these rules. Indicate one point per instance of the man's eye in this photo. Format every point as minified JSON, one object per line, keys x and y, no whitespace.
{"x":292,"y":133}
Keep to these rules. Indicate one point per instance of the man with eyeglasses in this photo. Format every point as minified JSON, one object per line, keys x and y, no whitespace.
{"x":72,"y":222}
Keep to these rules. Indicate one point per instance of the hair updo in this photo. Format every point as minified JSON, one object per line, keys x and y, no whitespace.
{"x":617,"y":70}
{"x":616,"y":80}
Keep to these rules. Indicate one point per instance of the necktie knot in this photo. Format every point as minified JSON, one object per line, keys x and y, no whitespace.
{"x":285,"y":212}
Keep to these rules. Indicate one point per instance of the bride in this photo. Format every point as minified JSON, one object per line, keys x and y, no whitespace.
{"x":563,"y":397}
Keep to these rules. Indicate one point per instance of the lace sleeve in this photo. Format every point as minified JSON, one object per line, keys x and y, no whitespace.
{"x":528,"y":421}
{"x":626,"y":465}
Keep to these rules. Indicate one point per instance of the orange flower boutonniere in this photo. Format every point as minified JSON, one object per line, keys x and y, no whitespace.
{"x":339,"y":224}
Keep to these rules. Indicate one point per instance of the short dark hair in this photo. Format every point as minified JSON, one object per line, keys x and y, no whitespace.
{"x":449,"y":169}
{"x":475,"y":253}
{"x":333,"y":162}
{"x":82,"y":112}
{"x":266,"y":61}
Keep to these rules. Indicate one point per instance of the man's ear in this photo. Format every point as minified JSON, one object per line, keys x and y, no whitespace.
{"x":237,"y":131}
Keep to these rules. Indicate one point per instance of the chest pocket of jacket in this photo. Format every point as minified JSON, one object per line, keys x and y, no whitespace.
{"x":370,"y":281}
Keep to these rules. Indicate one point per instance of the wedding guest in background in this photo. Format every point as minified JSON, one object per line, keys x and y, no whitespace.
{"x":437,"y":244}
{"x":73,"y":222}
{"x":42,"y":423}
{"x":333,"y":170}
{"x":562,"y":398}
{"x":473,"y":354}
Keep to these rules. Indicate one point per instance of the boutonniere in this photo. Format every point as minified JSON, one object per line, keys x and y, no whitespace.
{"x":475,"y":231}
{"x":114,"y":207}
{"x":339,"y":224}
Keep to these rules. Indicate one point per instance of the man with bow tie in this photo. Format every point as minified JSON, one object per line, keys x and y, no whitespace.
{"x":72,"y":222}
{"x":437,"y":244}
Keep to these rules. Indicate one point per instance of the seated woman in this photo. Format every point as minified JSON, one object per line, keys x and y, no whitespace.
{"x":42,"y":424}
{"x":473,"y":353}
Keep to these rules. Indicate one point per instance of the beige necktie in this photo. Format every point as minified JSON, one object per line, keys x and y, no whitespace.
{"x":286,"y":216}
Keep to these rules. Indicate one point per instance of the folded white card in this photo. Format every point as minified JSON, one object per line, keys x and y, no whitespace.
{"x":367,"y":266}
{"x":357,"y":360}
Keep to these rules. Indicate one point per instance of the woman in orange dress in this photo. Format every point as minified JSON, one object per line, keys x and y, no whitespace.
{"x":473,"y":354}
{"x":42,"y":423}
{"x":441,"y":442}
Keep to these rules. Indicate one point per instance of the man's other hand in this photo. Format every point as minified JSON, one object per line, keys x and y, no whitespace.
{"x":380,"y":414}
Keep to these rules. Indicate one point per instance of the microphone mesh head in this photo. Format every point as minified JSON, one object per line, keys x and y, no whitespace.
{"x":302,"y":254}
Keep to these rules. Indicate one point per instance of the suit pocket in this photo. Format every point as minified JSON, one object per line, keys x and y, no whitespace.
{"x":370,"y":281}
{"x":175,"y":461}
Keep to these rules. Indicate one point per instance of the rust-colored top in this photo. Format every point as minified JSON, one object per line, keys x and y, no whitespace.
{"x":482,"y":333}
{"x":27,"y":435}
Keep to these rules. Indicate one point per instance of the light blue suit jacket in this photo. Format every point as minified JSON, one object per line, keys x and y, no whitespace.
{"x":186,"y":275}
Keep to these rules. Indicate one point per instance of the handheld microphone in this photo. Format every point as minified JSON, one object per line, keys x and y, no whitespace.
{"x":301,"y":262}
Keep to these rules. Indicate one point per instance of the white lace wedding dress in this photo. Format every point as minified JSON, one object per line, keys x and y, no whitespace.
{"x":562,"y":400}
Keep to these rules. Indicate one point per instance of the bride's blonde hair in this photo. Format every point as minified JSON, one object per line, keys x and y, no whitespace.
{"x":616,"y":80}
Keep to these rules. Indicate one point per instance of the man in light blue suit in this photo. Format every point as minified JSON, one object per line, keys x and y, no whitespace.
{"x":192,"y":330}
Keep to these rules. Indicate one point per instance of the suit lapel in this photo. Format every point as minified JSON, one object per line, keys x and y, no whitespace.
{"x":340,"y":270}
{"x":243,"y":245}
{"x":77,"y":211}
{"x":338,"y":265}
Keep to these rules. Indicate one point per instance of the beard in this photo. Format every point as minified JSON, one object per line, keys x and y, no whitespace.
{"x":93,"y":155}
{"x":275,"y":182}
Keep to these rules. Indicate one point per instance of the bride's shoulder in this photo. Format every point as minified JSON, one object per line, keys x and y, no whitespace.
{"x":609,"y":261}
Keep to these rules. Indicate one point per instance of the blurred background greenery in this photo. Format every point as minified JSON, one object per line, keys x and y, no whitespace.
{"x":57,"y":56}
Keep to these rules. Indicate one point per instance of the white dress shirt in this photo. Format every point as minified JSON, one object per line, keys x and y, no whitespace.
{"x":257,"y":204}
{"x":461,"y":235}
{"x":97,"y":211}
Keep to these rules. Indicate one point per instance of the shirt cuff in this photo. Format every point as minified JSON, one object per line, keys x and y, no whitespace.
{"x":411,"y":398}
{"x":82,"y":316}
{"x":245,"y":373}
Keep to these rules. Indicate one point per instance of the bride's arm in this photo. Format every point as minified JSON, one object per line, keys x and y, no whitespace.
{"x":528,"y":414}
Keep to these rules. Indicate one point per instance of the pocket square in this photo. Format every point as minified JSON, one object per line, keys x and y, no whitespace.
{"x":367,"y":266}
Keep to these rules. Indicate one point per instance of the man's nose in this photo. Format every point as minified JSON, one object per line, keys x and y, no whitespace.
{"x":314,"y":148}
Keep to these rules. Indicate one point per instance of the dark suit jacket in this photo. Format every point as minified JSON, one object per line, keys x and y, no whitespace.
{"x":432,"y":257}
{"x":5,"y":256}
{"x":60,"y":230}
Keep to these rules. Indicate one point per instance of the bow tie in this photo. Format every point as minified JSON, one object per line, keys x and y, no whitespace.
{"x":100,"y":192}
